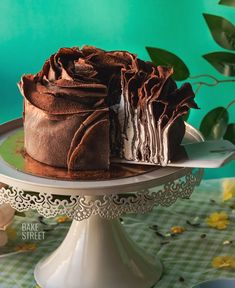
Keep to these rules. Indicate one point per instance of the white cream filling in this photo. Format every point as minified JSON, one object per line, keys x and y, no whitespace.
{"x":129,"y":133}
{"x":136,"y":136}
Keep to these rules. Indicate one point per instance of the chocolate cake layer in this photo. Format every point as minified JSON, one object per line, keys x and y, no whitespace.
{"x":89,"y":104}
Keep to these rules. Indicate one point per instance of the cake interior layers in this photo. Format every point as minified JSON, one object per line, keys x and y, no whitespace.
{"x":147,"y":140}
{"x":148,"y":127}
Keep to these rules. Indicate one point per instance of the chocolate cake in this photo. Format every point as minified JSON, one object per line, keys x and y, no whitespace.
{"x":88,"y":105}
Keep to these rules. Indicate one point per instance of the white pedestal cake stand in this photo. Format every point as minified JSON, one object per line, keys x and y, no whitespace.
{"x":97,"y":252}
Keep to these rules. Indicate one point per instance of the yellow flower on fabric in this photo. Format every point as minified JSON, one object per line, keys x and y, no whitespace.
{"x":11,"y":233}
{"x":177,"y":229}
{"x":228,"y":189}
{"x":225,"y":261}
{"x":62,"y":219}
{"x":218,"y":220}
{"x":26,"y":247}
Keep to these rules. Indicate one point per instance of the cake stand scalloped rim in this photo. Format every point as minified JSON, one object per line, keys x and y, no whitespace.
{"x":80,"y":207}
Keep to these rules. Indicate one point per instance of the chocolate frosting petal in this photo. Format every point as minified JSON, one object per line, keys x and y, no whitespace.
{"x":52,"y":101}
{"x":72,"y":74}
{"x":88,"y":122}
{"x":92,"y":139}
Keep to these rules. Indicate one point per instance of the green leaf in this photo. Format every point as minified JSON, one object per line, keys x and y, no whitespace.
{"x":224,"y":62}
{"x":230,"y":133}
{"x":166,"y":58}
{"x":227,"y":2}
{"x":214,"y":124}
{"x":222,"y":31}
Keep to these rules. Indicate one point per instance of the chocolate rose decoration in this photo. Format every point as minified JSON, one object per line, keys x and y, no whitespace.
{"x":67,"y":84}
{"x":87,"y":101}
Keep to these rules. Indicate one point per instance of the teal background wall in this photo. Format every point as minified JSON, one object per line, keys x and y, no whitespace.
{"x":31,"y":30}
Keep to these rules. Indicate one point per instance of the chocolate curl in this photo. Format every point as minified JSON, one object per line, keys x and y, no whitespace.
{"x":75,"y":147}
{"x":88,"y":152}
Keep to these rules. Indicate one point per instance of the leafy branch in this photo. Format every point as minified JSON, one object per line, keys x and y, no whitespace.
{"x":215,"y":124}
{"x":215,"y":83}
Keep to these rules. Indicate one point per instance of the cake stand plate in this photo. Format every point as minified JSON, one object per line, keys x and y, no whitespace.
{"x":97,"y":252}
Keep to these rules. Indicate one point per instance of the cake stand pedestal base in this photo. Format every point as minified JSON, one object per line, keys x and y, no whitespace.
{"x":97,"y":253}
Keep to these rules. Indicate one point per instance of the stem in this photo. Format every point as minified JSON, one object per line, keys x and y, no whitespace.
{"x":11,"y":253}
{"x":230,"y":104}
{"x":198,"y":88}
{"x":216,"y":81}
{"x":203,"y":75}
